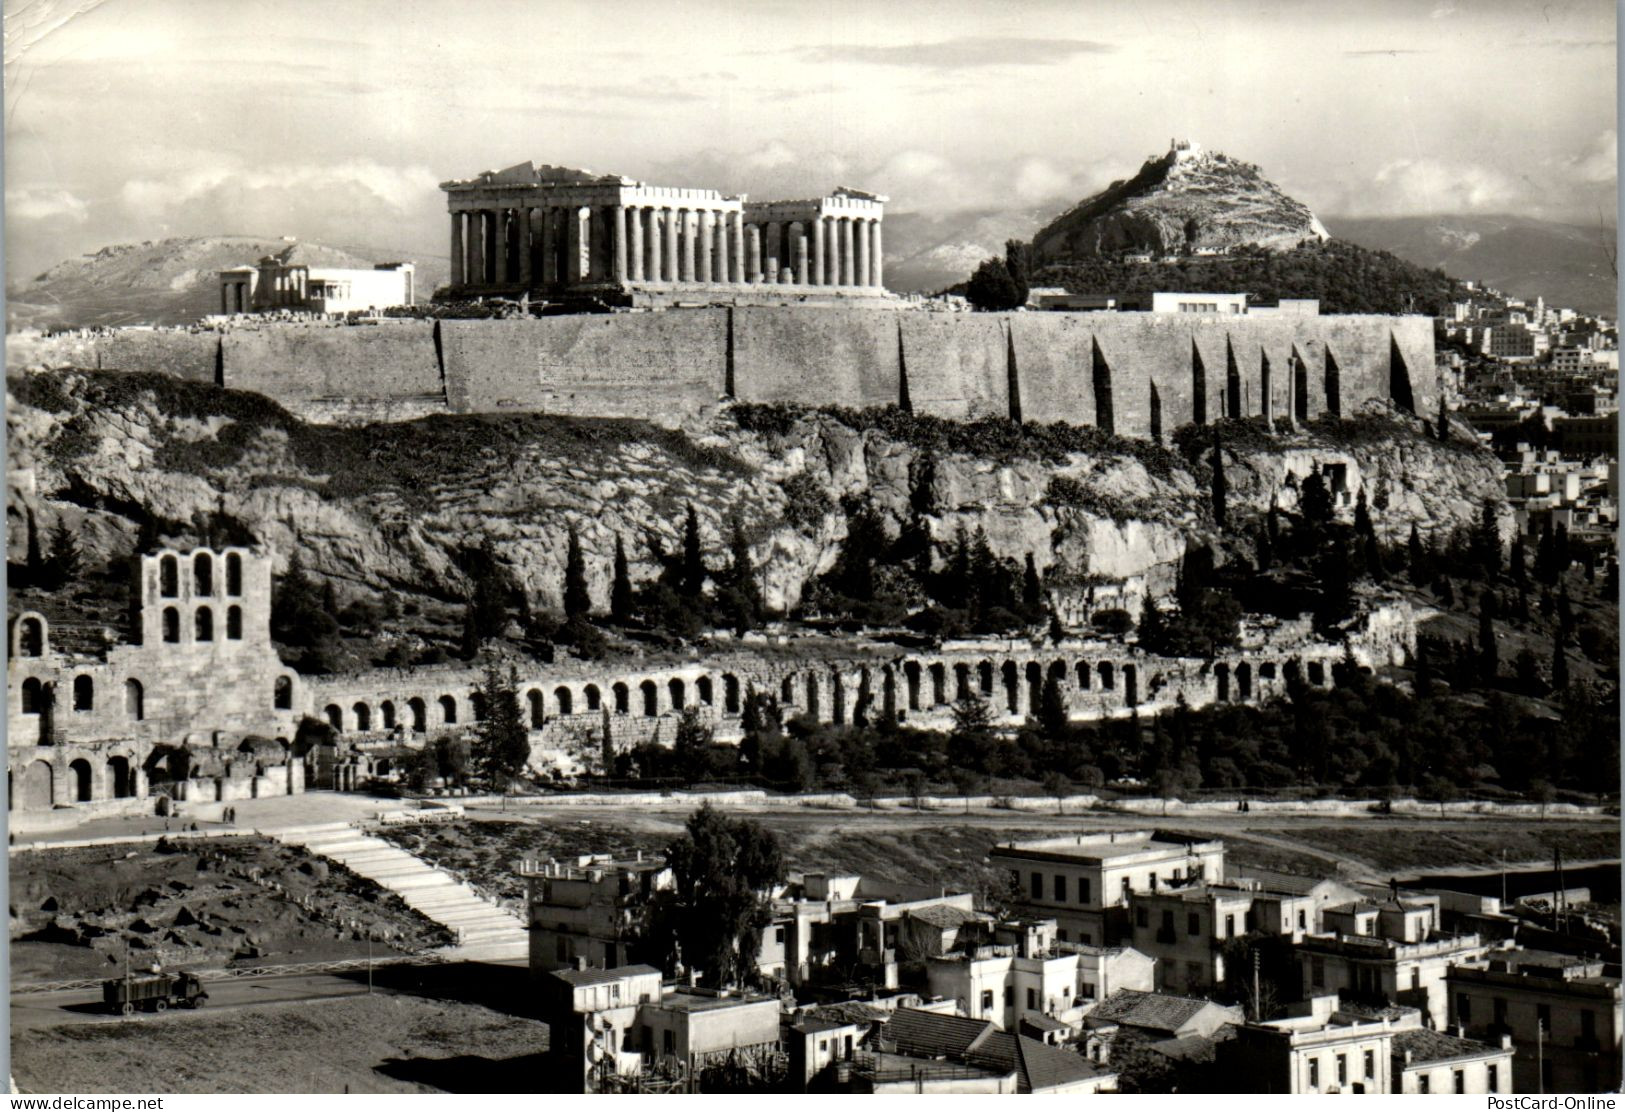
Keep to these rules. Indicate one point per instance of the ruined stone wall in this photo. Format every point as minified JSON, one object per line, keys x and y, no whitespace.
{"x":294,"y":362}
{"x":661,"y":367}
{"x":1140,"y":374}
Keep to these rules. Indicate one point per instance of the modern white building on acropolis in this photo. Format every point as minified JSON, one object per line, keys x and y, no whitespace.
{"x":552,"y":230}
{"x":294,"y":279}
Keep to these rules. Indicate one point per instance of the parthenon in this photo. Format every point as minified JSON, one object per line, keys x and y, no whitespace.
{"x":554,"y":230}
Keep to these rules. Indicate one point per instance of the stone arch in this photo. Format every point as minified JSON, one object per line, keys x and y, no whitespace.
{"x":363,"y":716}
{"x":565,"y":702}
{"x":623,"y":698}
{"x":33,"y":696}
{"x":335,"y":716}
{"x":1317,"y":673}
{"x":234,"y":623}
{"x":1012,"y":686}
{"x":39,"y":787}
{"x":120,"y":784}
{"x":1244,"y":681}
{"x":812,"y":695}
{"x":703,"y":691}
{"x":1131,"y":685}
{"x":386,"y":714}
{"x":678,"y":692}
{"x":172,"y":625}
{"x":939,"y":683}
{"x":787,"y":691}
{"x":864,"y":699}
{"x":961,"y":681}
{"x":135,"y":700}
{"x":420,"y":714}
{"x":1221,"y":674}
{"x":234,"y":574}
{"x":538,"y":708}
{"x":1083,"y":675}
{"x":1108,"y":676}
{"x":984,"y":678}
{"x":476,"y":706}
{"x":730,"y":693}
{"x":1057,"y":672}
{"x":282,"y":694}
{"x":592,"y":696}
{"x":203,"y":624}
{"x":1035,"y":685}
{"x":448,"y":710}
{"x":651,"y":698}
{"x":837,"y":698}
{"x":169,"y":576}
{"x":30,"y":636}
{"x":1266,"y":671}
{"x":888,"y":691}
{"x":911,"y":676}
{"x":82,"y":781}
{"x":84,"y":693}
{"x":202,"y":574}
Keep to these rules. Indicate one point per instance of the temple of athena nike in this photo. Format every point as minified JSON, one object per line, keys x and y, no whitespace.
{"x":556,"y":232}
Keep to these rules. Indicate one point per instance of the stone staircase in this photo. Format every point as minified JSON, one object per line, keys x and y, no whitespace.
{"x":485,"y":931}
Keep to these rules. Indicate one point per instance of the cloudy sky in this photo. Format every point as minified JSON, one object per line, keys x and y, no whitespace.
{"x":333,"y":120}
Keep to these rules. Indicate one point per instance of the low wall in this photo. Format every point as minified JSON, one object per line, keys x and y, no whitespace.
{"x":377,"y":362}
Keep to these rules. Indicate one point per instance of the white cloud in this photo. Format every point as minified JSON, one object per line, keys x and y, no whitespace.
{"x":46,"y":204}
{"x":771,"y":157}
{"x":1599,"y":163}
{"x":1419,"y":186}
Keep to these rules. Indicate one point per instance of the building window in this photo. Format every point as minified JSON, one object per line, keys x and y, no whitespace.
{"x":234,"y":623}
{"x":172,"y":625}
{"x":1230,"y":926}
{"x":1422,"y":1083}
{"x":282,"y":694}
{"x":1371,"y":1063}
{"x":1083,"y":889}
{"x":1314,"y":1073}
{"x":1493,"y":1079}
{"x":203,"y":620}
{"x":778,"y":935}
{"x":1142,"y":918}
{"x":168,"y":578}
{"x":1032,"y":1000}
{"x":33,"y":696}
{"x":234,"y":574}
{"x":203,"y":574}
{"x":1461,"y":1081}
{"x":84,"y":693}
{"x":1416,"y":976}
{"x":1126,"y":890}
{"x":1009,"y":996}
{"x":987,"y":1000}
{"x":1543,"y":1015}
{"x":1193,"y":924}
{"x":1464,"y":1008}
{"x":1038,"y":886}
{"x":1342,"y":1069}
{"x":1303,"y":920}
{"x":1060,"y":889}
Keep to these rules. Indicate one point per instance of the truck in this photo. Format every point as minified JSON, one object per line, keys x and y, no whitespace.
{"x":153,"y":992}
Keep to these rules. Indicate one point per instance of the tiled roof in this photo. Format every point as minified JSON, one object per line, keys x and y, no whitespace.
{"x":1153,"y":1011}
{"x":1435,"y":1046}
{"x":933,"y":1035}
{"x":1193,"y":1048}
{"x":1042,"y":1022}
{"x":812,"y":1025}
{"x":1038,"y":1065}
{"x":848,"y":1011}
{"x":945,"y":916}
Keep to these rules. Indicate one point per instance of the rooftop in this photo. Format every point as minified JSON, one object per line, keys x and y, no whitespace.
{"x":579,"y":978}
{"x":1153,"y":1011}
{"x":1104,"y":847}
{"x":1427,"y":1047}
{"x":683,"y":1001}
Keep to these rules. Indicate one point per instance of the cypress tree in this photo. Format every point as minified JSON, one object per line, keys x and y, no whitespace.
{"x":1443,"y":430}
{"x":1221,"y":485}
{"x":1417,"y":557}
{"x":1032,"y":588}
{"x":1565,"y":612}
{"x":1562,"y":554}
{"x":1052,"y":714}
{"x":620,"y":592}
{"x":1487,"y":541}
{"x":64,"y":563}
{"x":693,"y":563}
{"x":1362,"y":517}
{"x":1489,"y":653}
{"x":742,"y":570}
{"x":1517,"y":564}
{"x":1545,"y":555}
{"x":35,"y":573}
{"x":577,"y":602}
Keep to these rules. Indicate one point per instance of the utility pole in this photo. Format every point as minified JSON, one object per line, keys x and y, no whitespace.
{"x":1258,"y":1011}
{"x":1503,"y":880}
{"x":1540,"y":1055}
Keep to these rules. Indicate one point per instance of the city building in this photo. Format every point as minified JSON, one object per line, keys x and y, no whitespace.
{"x":586,"y":913}
{"x":1084,"y":882}
{"x":556,"y":231}
{"x":916,"y":1037}
{"x":1562,"y":1013}
{"x":1384,"y":962}
{"x":1436,"y":1062}
{"x":293,"y":280}
{"x":1151,"y":1018}
{"x":1325,"y":1051}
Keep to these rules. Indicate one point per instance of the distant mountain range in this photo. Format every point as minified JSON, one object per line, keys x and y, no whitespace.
{"x":171,"y":281}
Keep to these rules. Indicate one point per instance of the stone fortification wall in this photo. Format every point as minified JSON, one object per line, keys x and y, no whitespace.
{"x":657,"y":366}
{"x":1140,"y":374}
{"x":296,"y":362}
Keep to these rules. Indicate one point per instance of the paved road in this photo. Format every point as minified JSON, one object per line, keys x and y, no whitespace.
{"x":60,"y":1008}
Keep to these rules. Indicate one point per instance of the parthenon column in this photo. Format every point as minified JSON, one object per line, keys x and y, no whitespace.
{"x":550,"y":247}
{"x":721,"y":273}
{"x":654,"y":241}
{"x":500,"y":255}
{"x":818,"y":251}
{"x":635,"y":244}
{"x":798,"y":252}
{"x":753,"y":252}
{"x":860,"y":272}
{"x":574,"y":241}
{"x":672,"y":249}
{"x":691,"y":242}
{"x":770,"y":252}
{"x":846,"y":251}
{"x":456,"y":249}
{"x":876,"y":277}
{"x":524,"y":246}
{"x":476,"y":248}
{"x":707,"y":241}
{"x":618,"y":230}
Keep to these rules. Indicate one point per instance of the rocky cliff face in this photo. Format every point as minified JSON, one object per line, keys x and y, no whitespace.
{"x":1184,"y":202}
{"x":392,"y":506}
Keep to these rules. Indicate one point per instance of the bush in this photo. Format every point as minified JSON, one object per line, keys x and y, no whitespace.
{"x":806,"y":502}
{"x":1113,"y":622}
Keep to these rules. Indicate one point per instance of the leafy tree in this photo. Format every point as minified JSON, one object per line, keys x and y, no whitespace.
{"x":1315,"y":500}
{"x":298,"y":616}
{"x":693,"y":575}
{"x":620,"y":591}
{"x":501,"y":746}
{"x":970,"y":744}
{"x":692,"y":745}
{"x":1057,"y":787}
{"x":712,"y":918}
{"x":993,"y":288}
{"x":577,"y":602}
